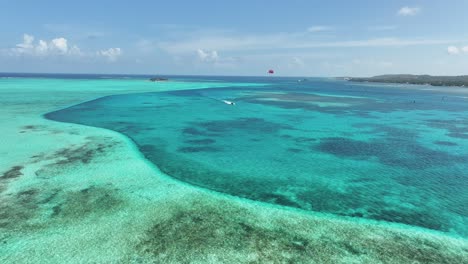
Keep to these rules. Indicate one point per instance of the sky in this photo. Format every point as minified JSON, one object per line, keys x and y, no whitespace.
{"x":295,"y":37}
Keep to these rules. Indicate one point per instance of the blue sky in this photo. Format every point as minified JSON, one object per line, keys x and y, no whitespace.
{"x":302,"y":38}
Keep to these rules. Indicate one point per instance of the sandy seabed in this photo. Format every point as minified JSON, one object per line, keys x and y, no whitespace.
{"x":76,"y":194}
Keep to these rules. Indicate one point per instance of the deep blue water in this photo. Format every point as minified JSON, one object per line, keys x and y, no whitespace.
{"x":386,"y":152}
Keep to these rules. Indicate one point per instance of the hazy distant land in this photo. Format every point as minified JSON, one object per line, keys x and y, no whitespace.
{"x":415,"y":79}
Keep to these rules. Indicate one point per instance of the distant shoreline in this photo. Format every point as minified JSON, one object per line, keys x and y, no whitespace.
{"x":458,"y":81}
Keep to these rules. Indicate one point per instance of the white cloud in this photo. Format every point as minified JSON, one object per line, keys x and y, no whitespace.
{"x":201,"y":54}
{"x":56,"y":47}
{"x":452,"y":50}
{"x":42,"y":47}
{"x":59,"y":44}
{"x":27,"y":43}
{"x":112,"y":54}
{"x":26,"y":47}
{"x":207,"y":56}
{"x":319,"y":28}
{"x":409,"y":11}
{"x":74,"y":50}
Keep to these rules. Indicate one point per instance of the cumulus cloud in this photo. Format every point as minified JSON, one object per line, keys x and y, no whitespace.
{"x":112,"y":54}
{"x":454,"y":50}
{"x":409,"y":11}
{"x":42,"y":47}
{"x":57,"y":46}
{"x":27,"y":43}
{"x":208,"y":56}
{"x":319,"y":28}
{"x":74,"y":50}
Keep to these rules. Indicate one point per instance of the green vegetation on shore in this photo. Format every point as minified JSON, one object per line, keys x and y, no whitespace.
{"x":416,"y":79}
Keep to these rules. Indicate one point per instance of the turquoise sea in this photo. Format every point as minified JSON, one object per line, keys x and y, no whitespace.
{"x":395,"y":153}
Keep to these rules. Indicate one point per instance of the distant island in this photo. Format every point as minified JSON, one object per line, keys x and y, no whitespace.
{"x":415,"y":79}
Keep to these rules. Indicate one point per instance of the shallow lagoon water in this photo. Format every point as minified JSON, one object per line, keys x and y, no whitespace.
{"x":392,"y":153}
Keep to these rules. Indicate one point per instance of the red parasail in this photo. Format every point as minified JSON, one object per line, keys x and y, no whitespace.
{"x":271,"y":71}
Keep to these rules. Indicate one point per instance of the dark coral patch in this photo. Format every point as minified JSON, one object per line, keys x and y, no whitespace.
{"x":200,"y":232}
{"x":294,"y":150}
{"x":445,"y":143}
{"x":455,"y":128}
{"x":199,"y":149}
{"x":205,"y":232}
{"x":304,"y":139}
{"x":27,"y":199}
{"x":12,"y":173}
{"x":278,"y":199}
{"x":50,"y":197}
{"x":389,"y":131}
{"x":206,"y":141}
{"x":196,"y":132}
{"x":88,"y":201}
{"x":83,"y":154}
{"x":392,"y":152}
{"x":458,"y":135}
{"x":30,"y":127}
{"x":17,"y":210}
{"x":245,"y":124}
{"x":146,"y":148}
{"x":72,"y":155}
